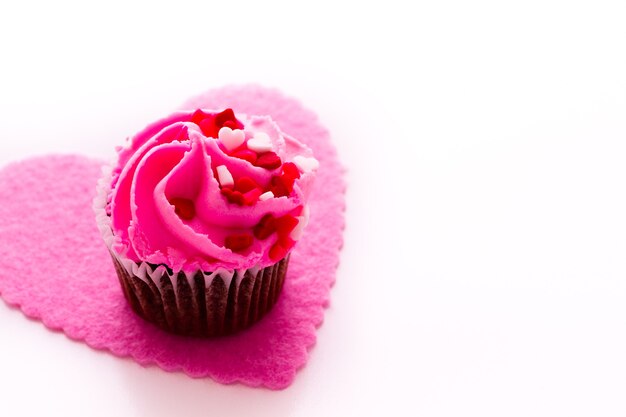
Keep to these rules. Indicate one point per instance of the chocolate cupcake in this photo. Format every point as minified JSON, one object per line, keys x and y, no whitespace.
{"x":200,"y":213}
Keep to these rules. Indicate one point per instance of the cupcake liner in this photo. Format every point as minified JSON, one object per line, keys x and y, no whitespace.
{"x":197,"y":303}
{"x":201,"y":307}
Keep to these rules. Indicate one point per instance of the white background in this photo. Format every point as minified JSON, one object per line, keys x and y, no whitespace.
{"x":484,"y":267}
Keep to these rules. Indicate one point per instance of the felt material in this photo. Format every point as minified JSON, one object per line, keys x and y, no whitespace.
{"x":57,"y":269}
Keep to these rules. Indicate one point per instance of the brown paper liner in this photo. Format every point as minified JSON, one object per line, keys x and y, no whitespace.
{"x":207,"y":309}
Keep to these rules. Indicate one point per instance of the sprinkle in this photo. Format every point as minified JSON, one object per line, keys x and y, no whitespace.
{"x":210,"y":124}
{"x":277,"y":252}
{"x":278,"y":186}
{"x":306,"y":164}
{"x":224,"y":176}
{"x":208,"y":128}
{"x":297,"y":231}
{"x":246,"y":155}
{"x":184,"y":208}
{"x":206,"y":122}
{"x":260,"y":143}
{"x":265,"y":228}
{"x":238,"y":242}
{"x":285,"y":224}
{"x":306,"y":213}
{"x":266,"y":196}
{"x":231,"y":139}
{"x":286,"y":242}
{"x":227,"y":118}
{"x":245,"y":184}
{"x":290,"y":172}
{"x":252,"y":196}
{"x":268,"y":160}
{"x":234,"y":197}
{"x":198,"y":116}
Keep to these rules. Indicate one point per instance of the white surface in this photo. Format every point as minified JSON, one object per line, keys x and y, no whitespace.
{"x":484,"y":265}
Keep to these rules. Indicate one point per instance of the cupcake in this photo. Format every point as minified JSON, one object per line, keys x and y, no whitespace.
{"x":200,"y":213}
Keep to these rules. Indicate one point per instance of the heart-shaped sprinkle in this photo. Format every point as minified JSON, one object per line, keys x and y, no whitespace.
{"x":245,"y":184}
{"x":278,"y":186}
{"x":285,"y":224}
{"x":286,"y":242}
{"x":238,"y":242}
{"x":290,"y":172}
{"x":268,"y":160}
{"x":303,"y":221}
{"x":277,"y":252}
{"x":297,"y":231}
{"x":208,"y":128}
{"x":266,"y":196}
{"x":265,"y":228}
{"x":260,"y":143}
{"x":252,"y":196}
{"x":245,"y":154}
{"x":227,"y":118}
{"x":224,"y":176}
{"x":306,"y":164}
{"x":231,"y":139}
{"x":184,"y":208}
{"x":198,"y":116}
{"x":234,"y":197}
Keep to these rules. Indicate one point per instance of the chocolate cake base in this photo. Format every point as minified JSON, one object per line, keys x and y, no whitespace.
{"x":204,"y":309}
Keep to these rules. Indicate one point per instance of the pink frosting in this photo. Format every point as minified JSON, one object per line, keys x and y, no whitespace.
{"x":172,"y":160}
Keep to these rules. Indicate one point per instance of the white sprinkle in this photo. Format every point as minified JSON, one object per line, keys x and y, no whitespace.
{"x":305,"y":164}
{"x":231,"y":139}
{"x":304,"y":217}
{"x":266,"y":196}
{"x":303,"y":221}
{"x":260,"y":143}
{"x":224,"y":176}
{"x":297,"y":231}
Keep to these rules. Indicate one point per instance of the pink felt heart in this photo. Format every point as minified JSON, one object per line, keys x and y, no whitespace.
{"x":57,"y":269}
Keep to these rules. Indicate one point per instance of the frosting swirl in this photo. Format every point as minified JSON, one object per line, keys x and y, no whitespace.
{"x":205,"y":190}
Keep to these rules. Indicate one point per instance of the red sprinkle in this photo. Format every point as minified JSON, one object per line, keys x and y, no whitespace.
{"x":268,"y":160}
{"x":245,"y":184}
{"x":238,"y":242}
{"x":232,"y":196}
{"x":199,"y":116}
{"x":265,"y":228}
{"x":184,"y":208}
{"x":290,"y":172}
{"x":252,"y":196}
{"x":208,"y":128}
{"x":278,"y":252}
{"x":278,"y":186}
{"x":282,"y":185}
{"x":286,"y":242}
{"x":285,"y":224}
{"x":227,"y":118}
{"x":211,"y":124}
{"x":246,"y":154}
